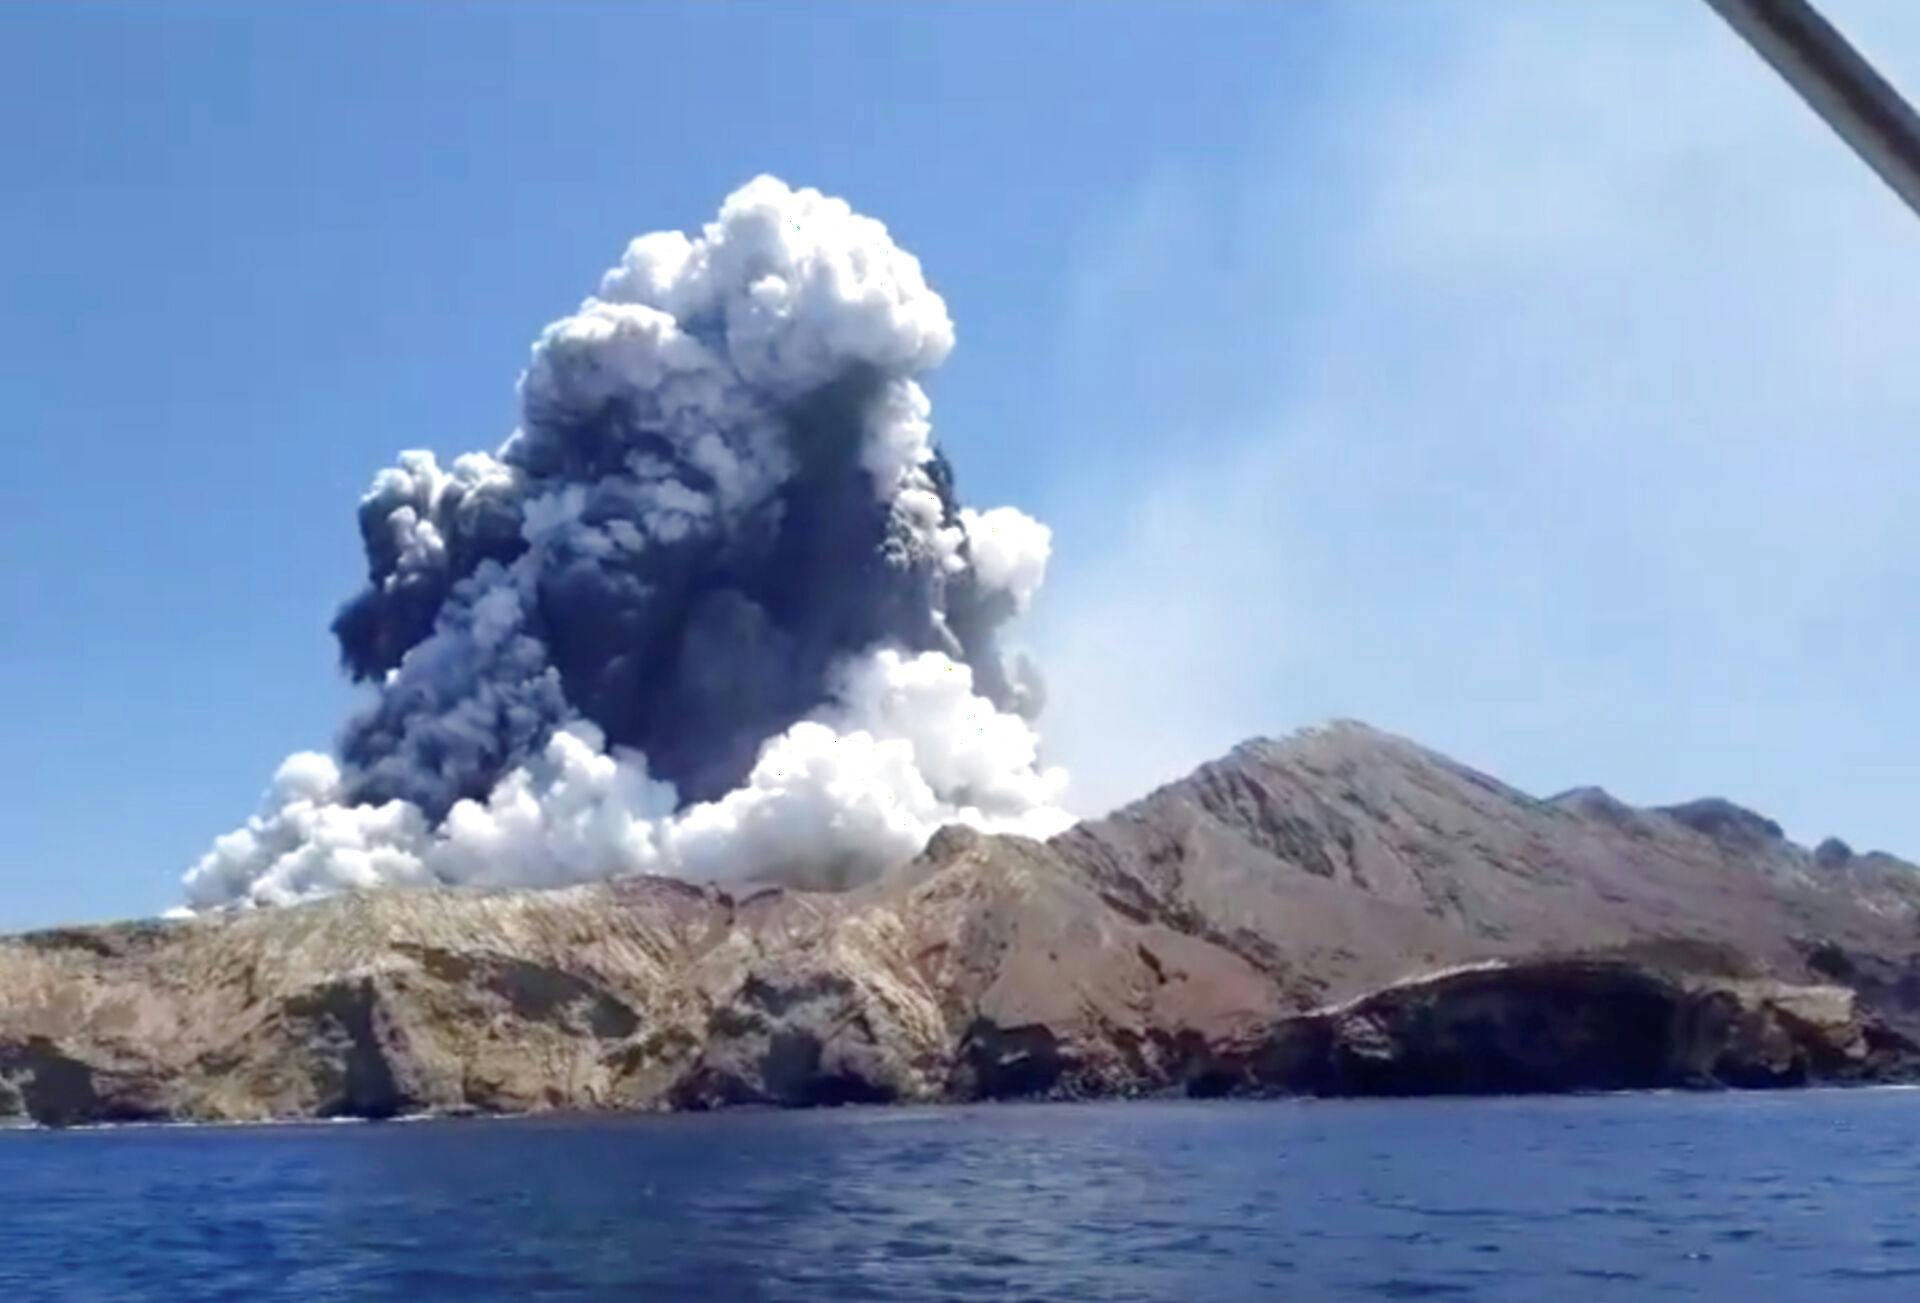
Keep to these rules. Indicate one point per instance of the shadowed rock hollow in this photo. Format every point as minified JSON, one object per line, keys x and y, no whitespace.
{"x":1341,"y":912}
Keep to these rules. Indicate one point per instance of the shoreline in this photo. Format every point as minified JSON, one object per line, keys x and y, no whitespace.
{"x":597,"y":1116}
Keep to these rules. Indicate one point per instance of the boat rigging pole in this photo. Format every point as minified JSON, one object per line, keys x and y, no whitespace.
{"x":1837,"y":83}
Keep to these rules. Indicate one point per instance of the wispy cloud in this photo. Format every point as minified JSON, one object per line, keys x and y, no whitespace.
{"x":1581,"y":441}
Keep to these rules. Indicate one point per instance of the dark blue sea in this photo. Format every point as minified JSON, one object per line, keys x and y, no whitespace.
{"x":1745,"y":1197}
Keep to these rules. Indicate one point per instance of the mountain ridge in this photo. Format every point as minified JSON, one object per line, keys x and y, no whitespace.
{"x":1337,"y":911}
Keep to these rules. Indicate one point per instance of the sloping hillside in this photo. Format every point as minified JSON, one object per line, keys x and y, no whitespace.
{"x":1343,"y":858}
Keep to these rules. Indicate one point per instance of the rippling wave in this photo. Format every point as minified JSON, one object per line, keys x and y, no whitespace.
{"x":1750,"y":1197}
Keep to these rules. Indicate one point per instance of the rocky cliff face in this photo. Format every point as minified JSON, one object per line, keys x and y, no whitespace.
{"x":1343,"y":859}
{"x":1341,"y":912}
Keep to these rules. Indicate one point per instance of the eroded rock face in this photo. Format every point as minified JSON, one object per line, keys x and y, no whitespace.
{"x":1562,"y":1025}
{"x":1341,"y":913}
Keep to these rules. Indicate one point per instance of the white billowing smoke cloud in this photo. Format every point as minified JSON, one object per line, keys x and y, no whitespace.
{"x":1010,"y":551}
{"x":832,"y":801}
{"x":712,"y":610}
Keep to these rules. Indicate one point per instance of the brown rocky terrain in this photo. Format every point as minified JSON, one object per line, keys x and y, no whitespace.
{"x":1341,"y":912}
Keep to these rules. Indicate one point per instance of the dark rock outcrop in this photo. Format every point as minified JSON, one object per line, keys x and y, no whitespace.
{"x":1563,"y":1025}
{"x":1832,"y":854}
{"x":1727,"y":823}
{"x":1341,"y":912}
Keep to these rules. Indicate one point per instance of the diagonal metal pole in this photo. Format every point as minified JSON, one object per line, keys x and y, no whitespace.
{"x":1837,"y":83}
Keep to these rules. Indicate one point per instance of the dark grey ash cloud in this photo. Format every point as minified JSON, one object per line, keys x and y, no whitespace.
{"x":721,"y":517}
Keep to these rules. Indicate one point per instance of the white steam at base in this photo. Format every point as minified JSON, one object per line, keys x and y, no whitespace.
{"x":830,"y":802}
{"x":665,"y":551}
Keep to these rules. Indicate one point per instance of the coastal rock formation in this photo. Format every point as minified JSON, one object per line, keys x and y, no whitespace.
{"x":1561,"y":1025}
{"x":1341,"y":912}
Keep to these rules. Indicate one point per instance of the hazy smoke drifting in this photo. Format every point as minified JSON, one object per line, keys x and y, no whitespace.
{"x":712,"y":609}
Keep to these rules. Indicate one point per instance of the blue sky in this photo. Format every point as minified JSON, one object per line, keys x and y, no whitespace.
{"x":1532,"y":379}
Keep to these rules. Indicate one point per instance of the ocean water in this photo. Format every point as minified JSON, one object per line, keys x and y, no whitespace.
{"x":1812,"y":1195}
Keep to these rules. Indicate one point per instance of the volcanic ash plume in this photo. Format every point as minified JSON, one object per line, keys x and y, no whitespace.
{"x":712,"y":609}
